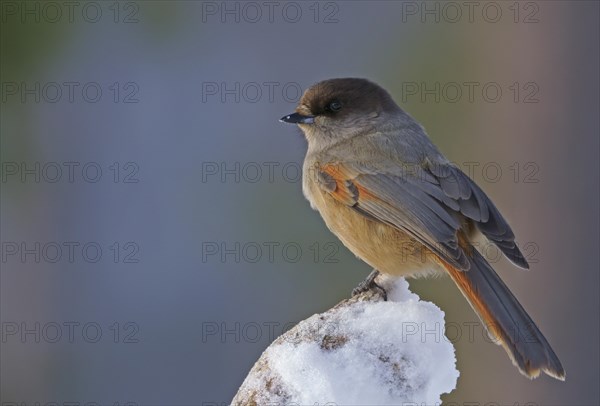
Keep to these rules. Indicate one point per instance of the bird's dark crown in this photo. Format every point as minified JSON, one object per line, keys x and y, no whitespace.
{"x":338,"y":97}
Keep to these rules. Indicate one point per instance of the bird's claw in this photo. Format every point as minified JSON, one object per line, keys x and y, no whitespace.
{"x":370,"y":284}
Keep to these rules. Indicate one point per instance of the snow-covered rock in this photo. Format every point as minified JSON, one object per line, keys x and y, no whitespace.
{"x":363,"y":351}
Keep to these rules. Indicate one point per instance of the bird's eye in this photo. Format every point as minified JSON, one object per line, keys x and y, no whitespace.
{"x":334,"y":106}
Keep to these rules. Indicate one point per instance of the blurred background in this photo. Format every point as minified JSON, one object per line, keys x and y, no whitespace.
{"x":155,"y":238}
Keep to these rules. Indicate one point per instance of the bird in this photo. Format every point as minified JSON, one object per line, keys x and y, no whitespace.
{"x":394,"y":200}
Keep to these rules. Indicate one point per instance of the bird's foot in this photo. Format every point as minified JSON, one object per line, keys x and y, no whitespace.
{"x":370,"y":284}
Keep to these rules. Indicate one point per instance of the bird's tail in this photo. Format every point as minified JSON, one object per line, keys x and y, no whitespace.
{"x":505,"y":319}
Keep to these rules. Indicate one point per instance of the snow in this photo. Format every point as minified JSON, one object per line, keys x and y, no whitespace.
{"x":363,"y":351}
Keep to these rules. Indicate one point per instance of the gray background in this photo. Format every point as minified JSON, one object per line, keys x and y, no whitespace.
{"x":544,"y":140}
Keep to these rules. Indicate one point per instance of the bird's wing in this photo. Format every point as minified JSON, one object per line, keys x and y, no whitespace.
{"x":429,"y":204}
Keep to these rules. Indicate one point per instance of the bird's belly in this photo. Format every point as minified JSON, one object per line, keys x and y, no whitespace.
{"x":383,"y":247}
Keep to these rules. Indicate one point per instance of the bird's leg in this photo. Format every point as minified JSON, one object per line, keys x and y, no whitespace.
{"x":370,"y":284}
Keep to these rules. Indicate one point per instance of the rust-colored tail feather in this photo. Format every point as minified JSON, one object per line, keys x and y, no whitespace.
{"x":505,"y":319}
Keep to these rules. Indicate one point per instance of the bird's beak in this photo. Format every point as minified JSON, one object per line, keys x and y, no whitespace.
{"x":297,"y":118}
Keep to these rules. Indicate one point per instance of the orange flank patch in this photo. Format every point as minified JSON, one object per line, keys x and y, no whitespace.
{"x":343,"y":185}
{"x":346,"y":187}
{"x":461,"y":279}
